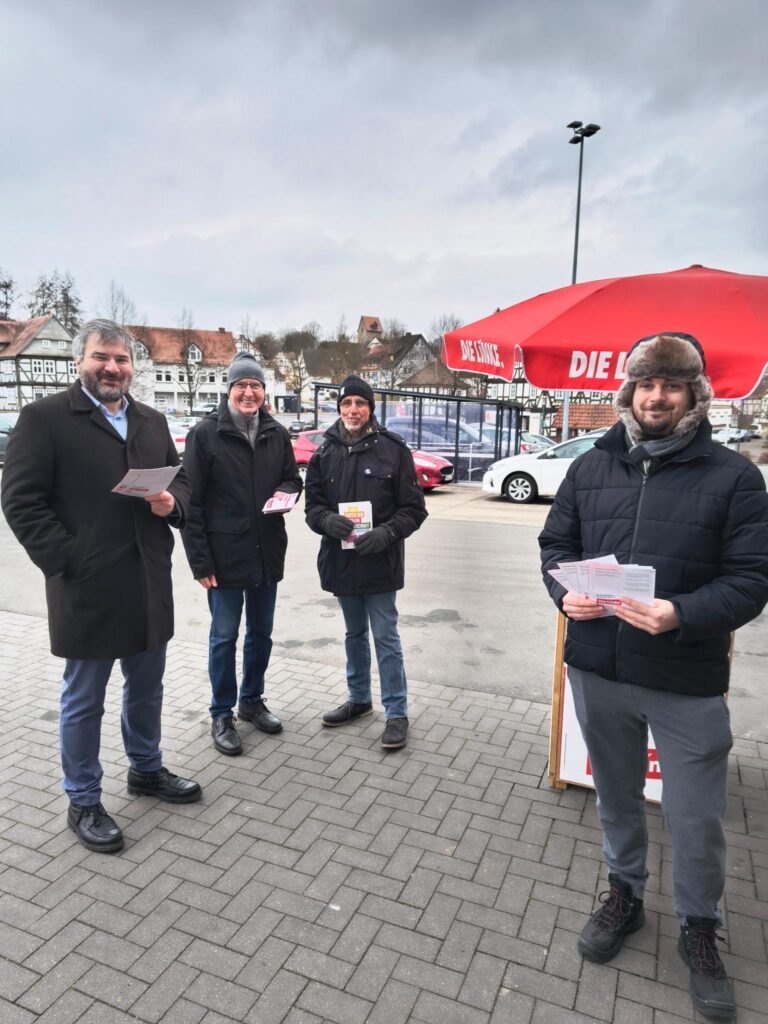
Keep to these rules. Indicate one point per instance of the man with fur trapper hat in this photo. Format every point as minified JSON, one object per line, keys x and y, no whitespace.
{"x":656,"y":490}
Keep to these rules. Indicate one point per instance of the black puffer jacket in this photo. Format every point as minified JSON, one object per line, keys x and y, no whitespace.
{"x":378,"y":468}
{"x":226,"y":534}
{"x":700,"y":517}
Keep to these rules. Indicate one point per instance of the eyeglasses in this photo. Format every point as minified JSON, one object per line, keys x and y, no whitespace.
{"x":241,"y":387}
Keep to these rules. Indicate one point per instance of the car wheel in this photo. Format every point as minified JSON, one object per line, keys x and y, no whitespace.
{"x":302,"y":468}
{"x":519,"y":488}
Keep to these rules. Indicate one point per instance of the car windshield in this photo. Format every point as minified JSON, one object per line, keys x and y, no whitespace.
{"x":571,"y":449}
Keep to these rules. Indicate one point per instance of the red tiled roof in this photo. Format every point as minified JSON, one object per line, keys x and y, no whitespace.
{"x":167,"y":344}
{"x":372,"y":323}
{"x":19,"y":333}
{"x":587,"y":416}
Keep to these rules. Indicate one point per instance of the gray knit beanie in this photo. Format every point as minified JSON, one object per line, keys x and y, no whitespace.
{"x":676,"y":356}
{"x":244,"y":367}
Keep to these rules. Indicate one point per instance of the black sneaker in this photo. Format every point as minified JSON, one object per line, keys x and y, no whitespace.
{"x":621,"y":914}
{"x":94,"y":828}
{"x":164,"y":785}
{"x":709,"y":985}
{"x":259,"y":715}
{"x":346,"y":713}
{"x":395,"y":733}
{"x":225,"y":737}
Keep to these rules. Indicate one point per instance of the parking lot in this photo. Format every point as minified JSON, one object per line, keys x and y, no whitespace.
{"x":323,"y":880}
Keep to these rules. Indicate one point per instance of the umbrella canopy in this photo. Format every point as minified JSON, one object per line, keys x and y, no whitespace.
{"x":577,"y":338}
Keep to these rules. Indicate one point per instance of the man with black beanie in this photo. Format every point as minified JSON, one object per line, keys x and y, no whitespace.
{"x":358,"y":461}
{"x":656,"y":490}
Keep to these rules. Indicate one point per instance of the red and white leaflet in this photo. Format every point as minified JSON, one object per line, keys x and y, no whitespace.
{"x":284,"y":504}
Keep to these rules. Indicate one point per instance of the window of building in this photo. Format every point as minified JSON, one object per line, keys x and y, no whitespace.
{"x":50,"y":367}
{"x":71,"y":369}
{"x":159,"y":376}
{"x":195,"y":355}
{"x":182,"y":377}
{"x":62,"y":344}
{"x":168,"y":377}
{"x":46,"y":342}
{"x":37,"y":368}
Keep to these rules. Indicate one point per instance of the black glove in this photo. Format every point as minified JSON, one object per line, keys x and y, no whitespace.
{"x":337,"y":526}
{"x":373,"y":541}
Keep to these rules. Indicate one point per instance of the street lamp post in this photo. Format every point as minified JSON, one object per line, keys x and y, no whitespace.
{"x":581,"y":131}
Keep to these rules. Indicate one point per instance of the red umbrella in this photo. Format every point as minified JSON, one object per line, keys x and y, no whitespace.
{"x":577,"y":338}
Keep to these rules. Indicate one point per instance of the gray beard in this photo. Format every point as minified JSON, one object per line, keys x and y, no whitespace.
{"x":104,"y":392}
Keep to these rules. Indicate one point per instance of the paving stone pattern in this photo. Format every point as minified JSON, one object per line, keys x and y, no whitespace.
{"x":322,"y":880}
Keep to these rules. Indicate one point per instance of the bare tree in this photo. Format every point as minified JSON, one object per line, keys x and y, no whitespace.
{"x":336,"y":359}
{"x":471,"y":383}
{"x":118,"y":306}
{"x":298,"y":347}
{"x":7,"y":295}
{"x":262,"y":344}
{"x":192,"y":371}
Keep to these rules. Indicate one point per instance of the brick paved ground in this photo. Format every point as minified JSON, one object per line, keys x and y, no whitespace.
{"x":322,"y":880}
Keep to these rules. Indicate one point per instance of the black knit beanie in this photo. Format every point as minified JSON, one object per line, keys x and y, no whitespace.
{"x":356,"y":386}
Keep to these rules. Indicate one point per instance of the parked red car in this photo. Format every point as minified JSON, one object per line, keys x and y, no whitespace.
{"x":431,"y":470}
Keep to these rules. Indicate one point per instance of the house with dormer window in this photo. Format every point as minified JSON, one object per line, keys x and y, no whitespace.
{"x":189,"y":365}
{"x":35,"y":360}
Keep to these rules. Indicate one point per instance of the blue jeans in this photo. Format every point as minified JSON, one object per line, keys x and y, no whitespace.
{"x":381,"y":611}
{"x":226,"y":605}
{"x":82,"y":708}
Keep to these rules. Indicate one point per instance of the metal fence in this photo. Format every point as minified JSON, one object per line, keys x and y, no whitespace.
{"x":469,"y":432}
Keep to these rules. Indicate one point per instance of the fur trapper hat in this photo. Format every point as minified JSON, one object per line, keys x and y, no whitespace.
{"x":674,"y":355}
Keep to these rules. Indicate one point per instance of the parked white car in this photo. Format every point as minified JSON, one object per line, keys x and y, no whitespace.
{"x":523,"y":478}
{"x":733,"y":435}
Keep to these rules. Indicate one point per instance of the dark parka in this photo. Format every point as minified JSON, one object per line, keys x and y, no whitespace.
{"x":378,"y":468}
{"x":226,"y":534}
{"x":106,"y":557}
{"x":700,"y":517}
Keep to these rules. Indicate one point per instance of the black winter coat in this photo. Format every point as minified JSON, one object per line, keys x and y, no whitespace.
{"x":700,"y":517}
{"x":378,"y":468}
{"x":106,"y":557}
{"x":226,"y":534}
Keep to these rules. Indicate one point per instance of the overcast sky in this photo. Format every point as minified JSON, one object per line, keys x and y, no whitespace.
{"x":301,"y":160}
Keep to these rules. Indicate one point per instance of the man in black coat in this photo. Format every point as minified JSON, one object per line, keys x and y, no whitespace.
{"x":360,"y":461}
{"x":655,"y":490}
{"x":107,"y":564}
{"x":237,"y":459}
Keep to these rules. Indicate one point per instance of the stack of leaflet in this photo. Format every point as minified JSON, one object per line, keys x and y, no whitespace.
{"x":606,"y":581}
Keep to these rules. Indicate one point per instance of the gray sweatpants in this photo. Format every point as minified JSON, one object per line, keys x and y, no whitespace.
{"x":693,"y":737}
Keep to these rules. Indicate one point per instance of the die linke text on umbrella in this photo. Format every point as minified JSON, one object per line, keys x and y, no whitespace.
{"x":481,"y":352}
{"x":598,"y":365}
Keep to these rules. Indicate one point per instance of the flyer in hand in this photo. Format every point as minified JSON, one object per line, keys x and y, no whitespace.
{"x":140,"y":483}
{"x":284,"y":504}
{"x":361,"y":514}
{"x":605,"y":580}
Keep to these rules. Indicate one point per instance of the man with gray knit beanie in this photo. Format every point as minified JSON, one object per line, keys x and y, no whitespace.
{"x":656,"y":490}
{"x":236,"y":459}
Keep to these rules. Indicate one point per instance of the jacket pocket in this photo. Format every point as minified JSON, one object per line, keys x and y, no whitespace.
{"x":231,"y":547}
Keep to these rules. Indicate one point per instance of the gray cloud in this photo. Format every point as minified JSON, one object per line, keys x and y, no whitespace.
{"x":300,"y":160}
